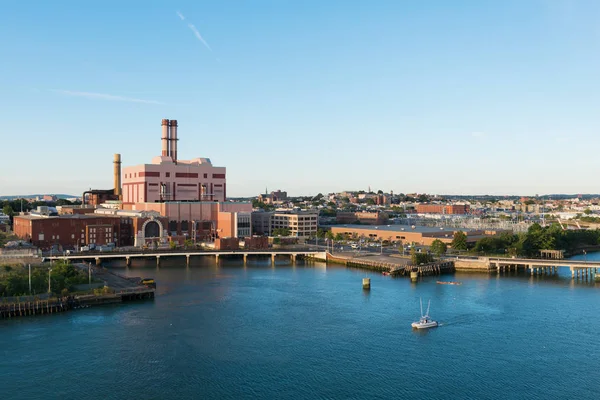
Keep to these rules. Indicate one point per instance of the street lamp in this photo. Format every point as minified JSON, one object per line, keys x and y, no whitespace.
{"x":49,"y":273}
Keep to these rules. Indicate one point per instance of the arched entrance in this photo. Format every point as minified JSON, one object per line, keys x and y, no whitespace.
{"x":151,"y":229}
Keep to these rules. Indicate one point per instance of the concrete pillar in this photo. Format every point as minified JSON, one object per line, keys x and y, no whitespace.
{"x":273,"y":258}
{"x":128,"y":261}
{"x":293,"y":258}
{"x":531,"y":269}
{"x":245,"y":258}
{"x":158,"y":261}
{"x":98,"y":261}
{"x":217,"y":258}
{"x":572,"y":273}
{"x":366,"y":283}
{"x":187,"y":260}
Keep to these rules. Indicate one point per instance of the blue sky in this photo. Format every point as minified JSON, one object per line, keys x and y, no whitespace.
{"x":498,"y":97}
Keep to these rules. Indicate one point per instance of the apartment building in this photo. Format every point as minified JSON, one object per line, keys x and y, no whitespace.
{"x":300,"y":223}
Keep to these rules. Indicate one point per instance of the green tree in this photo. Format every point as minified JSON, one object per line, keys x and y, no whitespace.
{"x":370,"y":202}
{"x":188,"y":243}
{"x":320,"y":233}
{"x":438,"y":247}
{"x":172,"y":245}
{"x":419,"y":258}
{"x":8,"y":210}
{"x":459,"y":241}
{"x":587,"y":211}
{"x":329,"y":235}
{"x":339,"y":237}
{"x":281,"y":232}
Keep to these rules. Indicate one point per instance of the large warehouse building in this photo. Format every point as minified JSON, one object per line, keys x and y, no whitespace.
{"x":422,"y":235}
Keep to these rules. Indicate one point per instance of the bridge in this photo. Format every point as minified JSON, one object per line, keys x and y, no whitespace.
{"x":537,"y":266}
{"x":128,"y":256}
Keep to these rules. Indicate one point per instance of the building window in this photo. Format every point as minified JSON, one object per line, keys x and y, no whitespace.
{"x":72,"y":236}
{"x":168,"y":174}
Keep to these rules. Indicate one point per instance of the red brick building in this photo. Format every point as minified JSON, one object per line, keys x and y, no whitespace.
{"x":370,"y":218}
{"x":227,"y":243}
{"x":256,"y":243}
{"x":442,"y":209}
{"x":72,"y":231}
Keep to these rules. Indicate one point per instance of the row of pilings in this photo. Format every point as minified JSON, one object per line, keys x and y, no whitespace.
{"x":39,"y":307}
{"x":435,"y":268}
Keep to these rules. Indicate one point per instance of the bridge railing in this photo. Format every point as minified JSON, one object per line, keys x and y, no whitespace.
{"x":181,"y":251}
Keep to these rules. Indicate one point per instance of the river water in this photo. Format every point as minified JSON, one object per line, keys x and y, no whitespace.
{"x":305,"y":332}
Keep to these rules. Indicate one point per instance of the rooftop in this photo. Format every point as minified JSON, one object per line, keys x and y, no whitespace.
{"x":401,"y":228}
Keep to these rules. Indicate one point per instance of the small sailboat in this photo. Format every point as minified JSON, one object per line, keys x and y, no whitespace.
{"x":425,"y":321}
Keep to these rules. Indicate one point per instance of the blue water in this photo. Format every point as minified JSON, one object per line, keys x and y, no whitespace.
{"x":305,"y":332}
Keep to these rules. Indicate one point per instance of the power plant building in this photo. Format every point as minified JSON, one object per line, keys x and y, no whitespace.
{"x":169,"y":179}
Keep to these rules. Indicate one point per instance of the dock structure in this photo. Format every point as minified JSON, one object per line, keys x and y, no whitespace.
{"x":393,"y":267}
{"x":535,"y":266}
{"x":293,"y":255}
{"x":118,"y":289}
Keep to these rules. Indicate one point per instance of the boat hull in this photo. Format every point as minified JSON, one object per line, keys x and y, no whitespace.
{"x":427,"y":325}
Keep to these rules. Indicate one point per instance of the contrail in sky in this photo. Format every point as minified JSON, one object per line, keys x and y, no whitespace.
{"x":103,"y":96}
{"x":193,"y":28}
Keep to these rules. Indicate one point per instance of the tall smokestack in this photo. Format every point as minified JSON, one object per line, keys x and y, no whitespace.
{"x":174,"y":139}
{"x":165,"y":137}
{"x":117,"y":173}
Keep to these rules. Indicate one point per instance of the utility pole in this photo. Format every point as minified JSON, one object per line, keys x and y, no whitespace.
{"x":49,"y":273}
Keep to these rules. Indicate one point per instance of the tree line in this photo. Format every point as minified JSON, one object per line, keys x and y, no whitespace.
{"x":14,"y":280}
{"x":529,"y":244}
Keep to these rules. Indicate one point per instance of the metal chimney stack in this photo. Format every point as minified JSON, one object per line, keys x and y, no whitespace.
{"x":117,"y":175}
{"x":173,"y":131}
{"x":165,"y":138}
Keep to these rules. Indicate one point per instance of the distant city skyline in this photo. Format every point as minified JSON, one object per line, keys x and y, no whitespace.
{"x":441,"y":97}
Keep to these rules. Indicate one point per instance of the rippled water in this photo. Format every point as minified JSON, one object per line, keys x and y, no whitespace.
{"x":231,"y":332}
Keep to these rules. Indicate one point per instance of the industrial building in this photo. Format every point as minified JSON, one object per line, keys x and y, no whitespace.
{"x":421,"y":235}
{"x":72,"y":231}
{"x":442,"y":209}
{"x":167,"y":178}
{"x":167,"y":200}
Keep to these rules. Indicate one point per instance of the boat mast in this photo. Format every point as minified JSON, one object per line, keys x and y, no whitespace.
{"x":428,"y":304}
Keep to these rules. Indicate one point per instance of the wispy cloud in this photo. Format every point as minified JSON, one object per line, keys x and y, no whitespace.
{"x":196,"y":33}
{"x":103,"y":96}
{"x":479,"y":135}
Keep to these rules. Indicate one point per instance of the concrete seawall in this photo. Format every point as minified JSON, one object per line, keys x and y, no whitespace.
{"x":475,"y":265}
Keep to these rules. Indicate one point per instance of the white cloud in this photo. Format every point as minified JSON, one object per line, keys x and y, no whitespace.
{"x":180,"y":15}
{"x":103,"y":96}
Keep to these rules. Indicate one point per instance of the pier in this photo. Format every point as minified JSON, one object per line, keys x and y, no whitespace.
{"x":117,"y":289}
{"x":399,"y":267}
{"x":535,"y":266}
